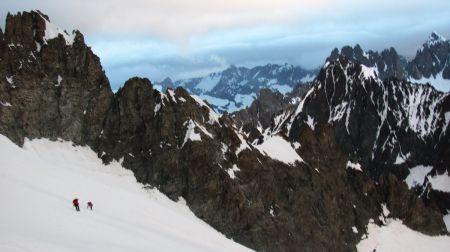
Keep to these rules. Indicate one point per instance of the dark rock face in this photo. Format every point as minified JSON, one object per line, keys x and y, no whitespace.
{"x":259,"y":117}
{"x":53,"y":89}
{"x":388,"y":126}
{"x":388,"y":63}
{"x":430,"y":135}
{"x":175,"y":142}
{"x":431,"y":59}
{"x":376,"y":120}
{"x":269,"y":206}
{"x":408,"y":207}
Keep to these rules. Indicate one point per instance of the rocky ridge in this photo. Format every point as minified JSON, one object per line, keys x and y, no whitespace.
{"x":257,"y":118}
{"x":52,"y":84}
{"x":429,"y":65}
{"x":387,"y":126}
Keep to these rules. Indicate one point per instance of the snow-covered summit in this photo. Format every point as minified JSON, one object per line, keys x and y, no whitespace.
{"x":343,"y":93}
{"x":237,"y":87}
{"x":52,"y":31}
{"x":428,"y":66}
{"x":435,"y":38}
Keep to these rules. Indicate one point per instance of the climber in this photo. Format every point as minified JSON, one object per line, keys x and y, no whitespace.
{"x":76,"y":205}
{"x":89,"y":205}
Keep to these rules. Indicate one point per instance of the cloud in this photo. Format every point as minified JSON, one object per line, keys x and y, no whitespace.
{"x":191,"y":38}
{"x":174,"y":20}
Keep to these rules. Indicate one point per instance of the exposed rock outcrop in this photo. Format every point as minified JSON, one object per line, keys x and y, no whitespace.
{"x":431,"y":59}
{"x":53,"y":88}
{"x":388,"y":63}
{"x":430,"y":64}
{"x":387,"y":126}
{"x":258,"y":118}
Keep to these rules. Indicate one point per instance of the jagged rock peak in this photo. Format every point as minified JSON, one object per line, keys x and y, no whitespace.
{"x":402,"y":112}
{"x":65,"y":81}
{"x":388,"y":63}
{"x":33,"y":29}
{"x":435,"y":38}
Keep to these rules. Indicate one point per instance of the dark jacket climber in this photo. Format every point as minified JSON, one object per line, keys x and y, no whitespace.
{"x":89,"y":205}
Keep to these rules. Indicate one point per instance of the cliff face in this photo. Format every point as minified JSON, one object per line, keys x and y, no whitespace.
{"x":54,"y":87}
{"x":432,"y":59}
{"x":388,"y":63}
{"x":381,"y":122}
{"x":388,"y":126}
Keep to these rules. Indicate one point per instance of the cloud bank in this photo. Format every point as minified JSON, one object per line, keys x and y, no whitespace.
{"x":189,"y":38}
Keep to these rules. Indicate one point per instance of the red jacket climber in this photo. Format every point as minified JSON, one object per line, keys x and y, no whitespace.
{"x":76,"y":205}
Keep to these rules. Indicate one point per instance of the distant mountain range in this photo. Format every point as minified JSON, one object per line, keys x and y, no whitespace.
{"x":431,"y":63}
{"x":236,"y":87}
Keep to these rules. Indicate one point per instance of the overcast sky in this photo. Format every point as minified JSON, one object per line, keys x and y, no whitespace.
{"x":180,"y":39}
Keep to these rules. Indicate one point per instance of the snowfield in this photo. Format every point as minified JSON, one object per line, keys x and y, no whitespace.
{"x":39,"y":181}
{"x":397,"y":237}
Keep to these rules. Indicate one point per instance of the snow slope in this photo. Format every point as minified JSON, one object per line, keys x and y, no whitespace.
{"x":39,"y":181}
{"x":276,"y":147}
{"x":395,"y":236}
{"x":437,"y":82}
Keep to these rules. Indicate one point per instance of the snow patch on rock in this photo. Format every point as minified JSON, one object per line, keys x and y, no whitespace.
{"x":52,"y":31}
{"x":157,"y":107}
{"x":354,"y":166}
{"x":447,"y":221}
{"x":213,"y":116}
{"x":232,"y":170}
{"x":368,"y":72}
{"x":440,"y":182}
{"x":10,"y":80}
{"x":243,"y":145}
{"x":190,"y":133}
{"x":5,"y":104}
{"x":311,"y":123}
{"x":417,"y":175}
{"x":276,"y":147}
{"x":283,"y":89}
{"x":58,"y":81}
{"x":386,"y":211}
{"x":401,"y":159}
